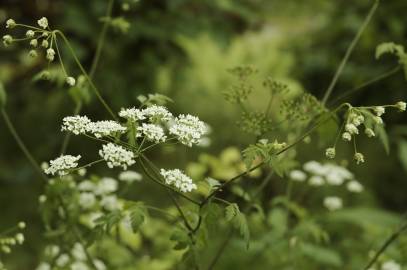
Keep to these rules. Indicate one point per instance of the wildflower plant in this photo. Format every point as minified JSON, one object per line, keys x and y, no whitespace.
{"x":83,"y":211}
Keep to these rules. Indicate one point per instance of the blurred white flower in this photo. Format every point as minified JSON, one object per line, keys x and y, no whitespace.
{"x":333,"y":203}
{"x":297,"y":175}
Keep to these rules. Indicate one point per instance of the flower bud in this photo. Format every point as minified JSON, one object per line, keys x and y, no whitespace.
{"x":43,"y":22}
{"x":369,"y":132}
{"x":401,"y":106}
{"x":10,"y":23}
{"x":29,"y":33}
{"x":330,"y":153}
{"x":379,"y":110}
{"x":346,"y":136}
{"x":34,"y":43}
{"x":359,"y":158}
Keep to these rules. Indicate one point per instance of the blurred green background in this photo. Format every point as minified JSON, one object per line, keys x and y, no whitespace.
{"x":183,"y":48}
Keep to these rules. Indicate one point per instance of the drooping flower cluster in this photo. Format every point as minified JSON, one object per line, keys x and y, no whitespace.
{"x":62,"y":165}
{"x":117,"y":156}
{"x":188,"y":129}
{"x":178,"y":179}
{"x":40,"y":36}
{"x":74,"y":258}
{"x":329,"y":174}
{"x":370,"y":118}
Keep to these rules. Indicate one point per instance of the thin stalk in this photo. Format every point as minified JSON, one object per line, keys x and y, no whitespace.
{"x":386,"y":244}
{"x":92,"y":85}
{"x":365,"y":84}
{"x":352,"y":45}
{"x":22,"y":146}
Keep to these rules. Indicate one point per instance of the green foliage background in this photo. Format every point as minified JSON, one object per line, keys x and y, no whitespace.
{"x":183,"y":49}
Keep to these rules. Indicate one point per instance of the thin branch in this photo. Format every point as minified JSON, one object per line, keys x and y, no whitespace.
{"x":362,"y":28}
{"x":386,"y":244}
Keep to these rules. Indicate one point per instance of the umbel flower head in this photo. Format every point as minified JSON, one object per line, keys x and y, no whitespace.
{"x":76,"y":124}
{"x":132,"y":114}
{"x":333,"y":203}
{"x":116,"y":156}
{"x":105,"y":128}
{"x":178,"y":179}
{"x":152,"y":132}
{"x":62,"y":165}
{"x":157,"y":114}
{"x":188,"y":129}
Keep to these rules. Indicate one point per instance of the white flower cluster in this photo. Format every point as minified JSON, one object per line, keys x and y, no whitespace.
{"x":327,"y":174}
{"x":333,"y":203}
{"x":178,"y":179}
{"x":130,"y":176}
{"x":132,"y":114}
{"x":390,"y":265}
{"x":82,"y":124}
{"x":152,"y":132}
{"x":105,"y":128}
{"x":157,"y":114}
{"x":76,"y":124}
{"x":370,"y":118}
{"x":116,"y":156}
{"x":188,"y":129}
{"x":74,"y":259}
{"x":62,"y":165}
{"x":99,"y":193}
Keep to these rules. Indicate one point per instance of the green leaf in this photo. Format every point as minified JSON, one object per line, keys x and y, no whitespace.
{"x":181,"y":237}
{"x":321,"y":254}
{"x":3,"y":96}
{"x":231,"y":211}
{"x":109,"y":221}
{"x":389,"y":47}
{"x":384,"y":139}
{"x":137,"y":214}
{"x":241,"y":223}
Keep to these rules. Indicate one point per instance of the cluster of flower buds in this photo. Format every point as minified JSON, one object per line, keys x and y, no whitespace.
{"x":12,"y":237}
{"x":39,"y":37}
{"x":356,"y":117}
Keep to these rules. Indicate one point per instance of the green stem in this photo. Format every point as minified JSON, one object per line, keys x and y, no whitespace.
{"x":362,"y":28}
{"x":22,"y":145}
{"x":92,"y":85}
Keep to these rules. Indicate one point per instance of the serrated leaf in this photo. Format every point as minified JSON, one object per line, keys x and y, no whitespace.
{"x":3,"y":96}
{"x":389,"y":47}
{"x":137,"y":213}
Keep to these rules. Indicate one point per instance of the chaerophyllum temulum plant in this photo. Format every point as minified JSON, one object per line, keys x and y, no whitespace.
{"x":85,"y":214}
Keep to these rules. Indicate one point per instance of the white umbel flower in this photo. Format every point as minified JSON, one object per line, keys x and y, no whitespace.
{"x":346,"y":136}
{"x":130,"y":176}
{"x":87,"y":200}
{"x":70,"y":81}
{"x":359,"y":158}
{"x":116,"y":156}
{"x":75,"y":124}
{"x":157,"y":113}
{"x":110,"y":203}
{"x":105,"y":128}
{"x":390,"y":265}
{"x":354,"y":186}
{"x":178,"y":179}
{"x":106,"y":185}
{"x":352,"y":129}
{"x":297,"y":175}
{"x":132,"y":114}
{"x":43,"y":22}
{"x":62,"y":165}
{"x":316,"y":180}
{"x":188,"y":129}
{"x":152,"y":132}
{"x":333,"y":203}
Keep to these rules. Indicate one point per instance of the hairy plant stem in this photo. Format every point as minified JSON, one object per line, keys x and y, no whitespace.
{"x":349,"y":50}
